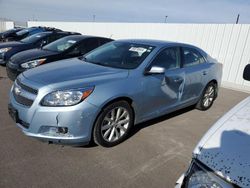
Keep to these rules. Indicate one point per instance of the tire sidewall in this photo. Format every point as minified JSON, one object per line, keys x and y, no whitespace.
{"x":97,"y":135}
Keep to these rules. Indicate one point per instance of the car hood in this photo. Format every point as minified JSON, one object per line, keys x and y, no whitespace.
{"x":225,"y":148}
{"x":11,"y":44}
{"x":71,"y":72}
{"x":29,"y":55}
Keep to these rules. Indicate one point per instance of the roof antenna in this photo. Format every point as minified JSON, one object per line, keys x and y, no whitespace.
{"x":238,"y":18}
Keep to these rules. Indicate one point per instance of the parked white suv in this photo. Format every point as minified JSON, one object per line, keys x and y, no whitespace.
{"x":222,"y":157}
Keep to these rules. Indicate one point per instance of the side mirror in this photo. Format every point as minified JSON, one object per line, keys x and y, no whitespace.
{"x":75,"y":52}
{"x":43,"y":43}
{"x":156,"y":70}
{"x":246,"y":73}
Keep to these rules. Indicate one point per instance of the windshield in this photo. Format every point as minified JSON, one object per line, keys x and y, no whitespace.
{"x":9,"y":31}
{"x":24,"y":31}
{"x":60,"y":45}
{"x":123,"y":55}
{"x":33,"y":38}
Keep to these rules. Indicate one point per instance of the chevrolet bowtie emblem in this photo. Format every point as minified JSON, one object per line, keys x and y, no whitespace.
{"x":17,"y":90}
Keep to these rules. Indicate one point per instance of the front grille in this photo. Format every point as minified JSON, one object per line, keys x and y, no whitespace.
{"x":22,"y":100}
{"x":27,"y":88}
{"x":24,"y":94}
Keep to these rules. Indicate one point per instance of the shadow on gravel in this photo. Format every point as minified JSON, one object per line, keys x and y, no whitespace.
{"x":2,"y":78}
{"x":151,"y":122}
{"x":90,"y":145}
{"x":146,"y":124}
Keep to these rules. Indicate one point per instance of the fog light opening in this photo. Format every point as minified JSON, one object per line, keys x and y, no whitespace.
{"x":62,"y":130}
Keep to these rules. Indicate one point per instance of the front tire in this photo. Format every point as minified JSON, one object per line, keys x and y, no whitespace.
{"x":113,"y":124}
{"x":208,"y":96}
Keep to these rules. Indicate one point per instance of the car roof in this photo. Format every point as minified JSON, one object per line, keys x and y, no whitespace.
{"x":44,"y":33}
{"x":44,"y":28}
{"x":82,"y":37}
{"x":156,"y":43}
{"x":162,"y":43}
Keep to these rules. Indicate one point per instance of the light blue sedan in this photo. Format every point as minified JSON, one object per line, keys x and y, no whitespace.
{"x":103,"y":94}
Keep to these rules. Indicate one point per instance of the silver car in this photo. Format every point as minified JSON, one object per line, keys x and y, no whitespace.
{"x":221,"y":158}
{"x":103,"y":94}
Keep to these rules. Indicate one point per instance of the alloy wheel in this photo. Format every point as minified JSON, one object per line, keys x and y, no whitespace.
{"x":208,"y":96}
{"x":115,"y":124}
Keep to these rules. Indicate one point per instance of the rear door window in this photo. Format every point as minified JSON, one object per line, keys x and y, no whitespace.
{"x":192,"y":57}
{"x":103,"y":41}
{"x":54,"y":37}
{"x":91,"y":44}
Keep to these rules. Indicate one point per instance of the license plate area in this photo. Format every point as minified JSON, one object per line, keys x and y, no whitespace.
{"x":13,"y":113}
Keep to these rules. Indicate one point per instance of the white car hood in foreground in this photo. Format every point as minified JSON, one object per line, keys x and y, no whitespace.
{"x":225,"y":148}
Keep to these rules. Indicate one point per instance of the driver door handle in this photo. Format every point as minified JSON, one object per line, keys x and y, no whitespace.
{"x":204,"y":73}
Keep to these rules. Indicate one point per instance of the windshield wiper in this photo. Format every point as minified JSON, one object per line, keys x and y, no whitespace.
{"x":93,"y":62}
{"x":98,"y":63}
{"x":46,"y":49}
{"x":83,"y":58}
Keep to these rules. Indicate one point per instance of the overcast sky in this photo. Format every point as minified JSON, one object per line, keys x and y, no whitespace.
{"x":181,"y":11}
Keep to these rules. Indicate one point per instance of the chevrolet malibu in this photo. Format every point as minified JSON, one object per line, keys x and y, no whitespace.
{"x":103,"y":94}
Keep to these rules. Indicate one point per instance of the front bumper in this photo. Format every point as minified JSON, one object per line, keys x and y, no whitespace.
{"x":2,"y":59}
{"x":43,"y":122}
{"x":12,"y":73}
{"x":2,"y":62}
{"x":180,"y":181}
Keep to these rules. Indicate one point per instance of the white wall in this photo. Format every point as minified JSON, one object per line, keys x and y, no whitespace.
{"x":6,"y":25}
{"x":228,"y":43}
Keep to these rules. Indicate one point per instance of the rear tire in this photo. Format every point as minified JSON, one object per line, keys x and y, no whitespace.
{"x":113,"y":124}
{"x":208,"y":96}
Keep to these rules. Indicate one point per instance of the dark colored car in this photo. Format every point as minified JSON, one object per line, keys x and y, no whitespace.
{"x":67,"y":47}
{"x":38,"y":40}
{"x":9,"y":34}
{"x":23,"y":33}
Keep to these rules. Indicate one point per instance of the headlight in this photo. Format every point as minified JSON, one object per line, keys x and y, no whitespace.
{"x":200,"y":177}
{"x":4,"y":50}
{"x":32,"y":64}
{"x":66,"y":97}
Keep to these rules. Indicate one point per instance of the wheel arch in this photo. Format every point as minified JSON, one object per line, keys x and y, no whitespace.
{"x":129,"y":100}
{"x":213,"y":81}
